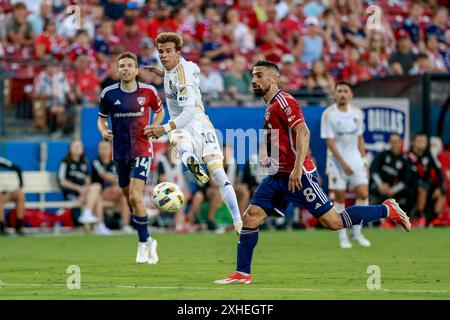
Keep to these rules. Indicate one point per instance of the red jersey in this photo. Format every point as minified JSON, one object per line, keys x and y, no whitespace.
{"x":283,"y":114}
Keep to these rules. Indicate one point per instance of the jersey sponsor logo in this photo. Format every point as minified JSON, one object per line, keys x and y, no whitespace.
{"x":170,"y":85}
{"x":141,"y":100}
{"x":117,"y":103}
{"x":128,"y":114}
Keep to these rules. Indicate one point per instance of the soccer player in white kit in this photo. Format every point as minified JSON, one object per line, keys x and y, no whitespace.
{"x":342,"y":127}
{"x":189,"y":128}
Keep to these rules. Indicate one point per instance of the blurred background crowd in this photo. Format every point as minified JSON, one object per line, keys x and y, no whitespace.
{"x":62,"y":56}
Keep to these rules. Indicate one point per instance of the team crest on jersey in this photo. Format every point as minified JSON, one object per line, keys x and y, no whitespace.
{"x":267,"y":116}
{"x":288,"y":111}
{"x":183,"y":90}
{"x":141,"y":100}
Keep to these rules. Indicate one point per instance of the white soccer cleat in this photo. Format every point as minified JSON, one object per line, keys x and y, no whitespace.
{"x":345,"y":244}
{"x":87,"y":217}
{"x":361,"y":240}
{"x":152,"y":254}
{"x":143,"y":252}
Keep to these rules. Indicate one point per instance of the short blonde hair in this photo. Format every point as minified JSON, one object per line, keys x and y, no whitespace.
{"x":170,"y":37}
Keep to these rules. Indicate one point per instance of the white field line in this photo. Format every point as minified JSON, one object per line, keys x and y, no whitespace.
{"x":223,"y":287}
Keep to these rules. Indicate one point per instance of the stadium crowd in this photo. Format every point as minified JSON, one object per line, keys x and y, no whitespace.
{"x":315,"y":42}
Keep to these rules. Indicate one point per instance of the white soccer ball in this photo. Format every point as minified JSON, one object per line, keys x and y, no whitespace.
{"x":167,"y":197}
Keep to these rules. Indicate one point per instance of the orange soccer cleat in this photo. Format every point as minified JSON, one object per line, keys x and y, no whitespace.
{"x":235,"y":278}
{"x":396,"y":214}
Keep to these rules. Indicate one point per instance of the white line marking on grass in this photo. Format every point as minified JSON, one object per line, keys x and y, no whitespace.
{"x":225,"y":287}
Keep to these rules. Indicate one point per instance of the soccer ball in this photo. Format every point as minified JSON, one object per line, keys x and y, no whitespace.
{"x":167,"y":197}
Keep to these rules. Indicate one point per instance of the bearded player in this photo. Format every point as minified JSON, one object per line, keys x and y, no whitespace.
{"x":294,"y":177}
{"x":128,"y":103}
{"x":189,"y":128}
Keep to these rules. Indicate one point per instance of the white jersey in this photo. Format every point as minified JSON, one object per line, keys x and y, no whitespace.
{"x":182,"y":91}
{"x":344,"y":128}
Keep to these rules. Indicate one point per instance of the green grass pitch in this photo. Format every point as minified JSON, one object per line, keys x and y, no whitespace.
{"x":287,"y":265}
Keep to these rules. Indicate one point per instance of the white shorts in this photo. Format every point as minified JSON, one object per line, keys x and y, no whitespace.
{"x":338,"y":180}
{"x":202,"y":135}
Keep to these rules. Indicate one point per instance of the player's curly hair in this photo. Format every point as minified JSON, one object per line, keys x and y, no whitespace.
{"x":165,"y":37}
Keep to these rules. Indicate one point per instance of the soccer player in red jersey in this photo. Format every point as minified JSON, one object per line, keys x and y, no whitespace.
{"x":292,"y":176}
{"x":128,"y":104}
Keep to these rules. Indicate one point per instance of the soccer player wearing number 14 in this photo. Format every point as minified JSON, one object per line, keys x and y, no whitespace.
{"x":128,"y":103}
{"x":294,"y":178}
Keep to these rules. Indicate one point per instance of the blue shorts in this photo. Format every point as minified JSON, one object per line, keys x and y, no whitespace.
{"x":138,"y":168}
{"x":273,"y":195}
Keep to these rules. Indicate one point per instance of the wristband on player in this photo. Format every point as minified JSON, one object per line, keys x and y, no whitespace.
{"x":167,"y":127}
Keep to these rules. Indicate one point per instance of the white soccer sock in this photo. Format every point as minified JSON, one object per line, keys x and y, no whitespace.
{"x":356,"y":230}
{"x":186,"y":150}
{"x":342,"y":233}
{"x":226,"y":189}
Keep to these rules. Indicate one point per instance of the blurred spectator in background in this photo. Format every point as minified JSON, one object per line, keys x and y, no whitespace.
{"x":414,"y":25}
{"x":434,"y":53}
{"x":404,"y":55}
{"x":82,"y":45}
{"x":104,"y":176}
{"x":18,"y":30}
{"x":241,"y":37}
{"x":431,"y":186}
{"x":131,"y":37}
{"x":393,"y":176}
{"x":357,"y":69}
{"x":238,"y":79}
{"x":310,"y":46}
{"x":52,"y":90}
{"x":354,"y":33}
{"x":211,"y":81}
{"x":74,"y":180}
{"x":161,"y":21}
{"x":215,"y":47}
{"x":273,"y":47}
{"x":320,"y":79}
{"x":290,"y":79}
{"x":48,"y":45}
{"x":333,"y":35}
{"x":105,"y":40}
{"x":291,"y":26}
{"x":271,"y":23}
{"x":84,"y":83}
{"x":37,"y":20}
{"x":439,"y":24}
{"x":114,"y":9}
{"x":170,"y":168}
{"x":16,"y":195}
{"x":377,"y":67}
{"x":421,"y":65}
{"x":132,"y":10}
{"x":148,"y":54}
